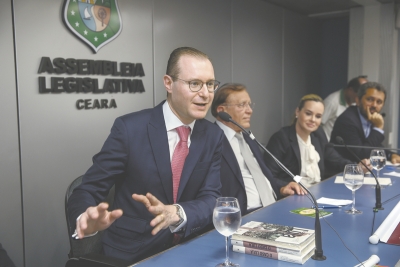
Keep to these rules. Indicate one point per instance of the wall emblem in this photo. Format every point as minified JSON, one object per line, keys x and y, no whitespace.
{"x":95,"y":22}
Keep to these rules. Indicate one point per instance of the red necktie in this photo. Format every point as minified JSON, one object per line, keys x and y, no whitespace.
{"x":178,"y":158}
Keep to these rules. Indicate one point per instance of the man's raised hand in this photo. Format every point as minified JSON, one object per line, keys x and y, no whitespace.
{"x":96,"y":219}
{"x":164,"y":215}
{"x":376,"y":119}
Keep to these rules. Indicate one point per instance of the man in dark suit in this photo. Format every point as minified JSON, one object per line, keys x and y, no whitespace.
{"x":238,"y":176}
{"x":362,"y":125}
{"x":155,"y":188}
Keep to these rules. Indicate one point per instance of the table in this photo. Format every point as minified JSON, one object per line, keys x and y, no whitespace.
{"x":354,"y":230}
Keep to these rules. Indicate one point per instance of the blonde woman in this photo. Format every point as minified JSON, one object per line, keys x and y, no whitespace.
{"x":302,"y":146}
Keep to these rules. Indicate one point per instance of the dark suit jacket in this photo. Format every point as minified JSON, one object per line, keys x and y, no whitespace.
{"x":5,"y":260}
{"x":285,"y":147}
{"x":348,"y":126}
{"x":231,"y":175}
{"x":135,"y":157}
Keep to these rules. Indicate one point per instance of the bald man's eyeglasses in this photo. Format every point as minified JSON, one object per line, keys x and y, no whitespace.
{"x":196,"y":85}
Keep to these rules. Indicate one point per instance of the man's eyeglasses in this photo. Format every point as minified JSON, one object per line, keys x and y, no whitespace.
{"x":242,"y":106}
{"x":196,"y":85}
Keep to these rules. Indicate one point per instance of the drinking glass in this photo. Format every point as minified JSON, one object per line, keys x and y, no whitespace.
{"x":378,"y":160}
{"x":227,"y":219}
{"x":353,"y":178}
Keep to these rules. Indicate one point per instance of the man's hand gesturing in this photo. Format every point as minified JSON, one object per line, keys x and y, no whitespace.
{"x":164,"y":215}
{"x":96,"y":219}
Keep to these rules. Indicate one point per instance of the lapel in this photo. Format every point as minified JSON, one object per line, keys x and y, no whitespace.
{"x":159,"y":143}
{"x":295,"y":144}
{"x":230,"y":158}
{"x":197,"y":144}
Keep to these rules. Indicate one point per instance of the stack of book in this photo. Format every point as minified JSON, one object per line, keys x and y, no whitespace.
{"x":279,"y":242}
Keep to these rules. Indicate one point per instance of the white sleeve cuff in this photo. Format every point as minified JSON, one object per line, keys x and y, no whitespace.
{"x":75,"y":234}
{"x":379,"y":130}
{"x":175,"y":229}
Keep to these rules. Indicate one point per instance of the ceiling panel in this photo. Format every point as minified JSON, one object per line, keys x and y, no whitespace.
{"x":322,"y":8}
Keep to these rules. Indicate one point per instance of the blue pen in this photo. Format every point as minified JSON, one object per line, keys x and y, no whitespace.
{"x":326,"y":207}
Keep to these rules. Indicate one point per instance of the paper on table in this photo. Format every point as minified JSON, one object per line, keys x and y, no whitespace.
{"x":392,"y":174}
{"x":367,"y":180}
{"x":333,"y":201}
{"x":389,"y":163}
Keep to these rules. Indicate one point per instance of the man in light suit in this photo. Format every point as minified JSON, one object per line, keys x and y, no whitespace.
{"x":138,"y":158}
{"x":237,"y":178}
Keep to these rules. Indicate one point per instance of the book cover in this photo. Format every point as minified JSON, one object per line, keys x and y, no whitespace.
{"x":394,"y":238}
{"x":274,"y":235}
{"x":389,"y":230}
{"x":308,"y":212}
{"x":275,"y":255}
{"x":295,"y":251}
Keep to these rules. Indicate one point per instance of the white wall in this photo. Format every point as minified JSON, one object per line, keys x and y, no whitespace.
{"x":272,"y":51}
{"x":11,"y":235}
{"x":58,"y":140}
{"x":257,"y":54}
{"x":301,"y":62}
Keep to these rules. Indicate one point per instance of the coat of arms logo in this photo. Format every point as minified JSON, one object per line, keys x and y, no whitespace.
{"x":95,"y":22}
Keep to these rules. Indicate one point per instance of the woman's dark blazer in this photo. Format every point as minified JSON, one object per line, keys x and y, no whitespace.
{"x":285,"y":147}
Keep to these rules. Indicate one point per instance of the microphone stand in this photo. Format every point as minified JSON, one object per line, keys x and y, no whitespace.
{"x":318,"y":253}
{"x":378,"y":203}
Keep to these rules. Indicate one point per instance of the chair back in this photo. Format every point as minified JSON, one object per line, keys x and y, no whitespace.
{"x":93,"y":244}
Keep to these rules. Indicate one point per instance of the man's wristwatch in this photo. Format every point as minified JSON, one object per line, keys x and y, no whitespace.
{"x":179,"y":212}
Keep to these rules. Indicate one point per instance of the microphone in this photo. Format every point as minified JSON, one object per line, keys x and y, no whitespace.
{"x":378,"y":203}
{"x":318,"y":254}
{"x":226,"y":117}
{"x":383,"y":114}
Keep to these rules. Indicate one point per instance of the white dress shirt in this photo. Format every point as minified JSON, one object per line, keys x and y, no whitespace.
{"x":309,"y":162}
{"x":171,"y":123}
{"x":335,"y":104}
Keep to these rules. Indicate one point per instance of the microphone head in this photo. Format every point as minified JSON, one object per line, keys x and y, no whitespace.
{"x":383,"y":114}
{"x":340,"y":140}
{"x":224,"y":116}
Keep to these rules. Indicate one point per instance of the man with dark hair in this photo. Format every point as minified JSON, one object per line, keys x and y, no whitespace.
{"x":164,"y":163}
{"x":244,"y":174}
{"x":362,"y":125}
{"x":338,"y":101}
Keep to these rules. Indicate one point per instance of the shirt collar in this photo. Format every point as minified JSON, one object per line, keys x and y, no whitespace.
{"x":365,"y":123}
{"x":229,"y":132}
{"x":171,"y":120}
